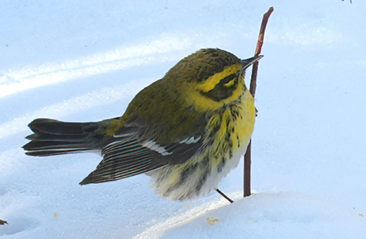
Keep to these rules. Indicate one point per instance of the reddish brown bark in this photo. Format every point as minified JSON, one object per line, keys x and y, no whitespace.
{"x":253,"y":87}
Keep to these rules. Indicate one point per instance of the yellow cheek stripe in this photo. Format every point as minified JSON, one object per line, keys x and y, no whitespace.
{"x":230,"y":83}
{"x":212,"y":81}
{"x":203,"y":104}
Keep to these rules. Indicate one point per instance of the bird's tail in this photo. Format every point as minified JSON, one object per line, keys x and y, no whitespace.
{"x":52,"y":137}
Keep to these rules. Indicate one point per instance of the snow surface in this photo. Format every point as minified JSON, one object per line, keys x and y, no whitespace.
{"x":85,"y":60}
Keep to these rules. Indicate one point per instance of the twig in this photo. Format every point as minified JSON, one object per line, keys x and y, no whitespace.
{"x":258,"y":50}
{"x":253,"y":86}
{"x":3,"y":222}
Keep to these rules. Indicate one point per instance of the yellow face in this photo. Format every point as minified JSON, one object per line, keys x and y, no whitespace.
{"x":219,"y":89}
{"x":216,"y":79}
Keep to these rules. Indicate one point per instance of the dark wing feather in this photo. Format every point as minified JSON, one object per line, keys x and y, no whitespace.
{"x":130,"y":155}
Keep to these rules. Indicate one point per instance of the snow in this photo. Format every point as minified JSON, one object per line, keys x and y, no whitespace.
{"x":85,"y":60}
{"x":279,"y":215}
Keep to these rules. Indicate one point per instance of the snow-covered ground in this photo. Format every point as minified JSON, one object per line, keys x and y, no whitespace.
{"x":85,"y":60}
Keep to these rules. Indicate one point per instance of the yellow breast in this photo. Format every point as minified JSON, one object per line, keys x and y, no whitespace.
{"x":231,"y":129}
{"x":228,"y":133}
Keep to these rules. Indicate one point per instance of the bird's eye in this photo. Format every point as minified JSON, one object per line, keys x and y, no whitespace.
{"x":229,"y":80}
{"x":223,"y":89}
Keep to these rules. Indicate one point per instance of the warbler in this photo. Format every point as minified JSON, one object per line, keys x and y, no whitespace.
{"x":186,"y":130}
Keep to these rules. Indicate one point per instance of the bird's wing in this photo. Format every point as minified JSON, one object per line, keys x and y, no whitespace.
{"x":134,"y":151}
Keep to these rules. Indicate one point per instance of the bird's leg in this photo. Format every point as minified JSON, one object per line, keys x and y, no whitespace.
{"x":223,"y":194}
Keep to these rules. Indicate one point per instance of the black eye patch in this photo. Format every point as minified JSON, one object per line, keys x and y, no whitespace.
{"x":227,"y":79}
{"x":223,"y":89}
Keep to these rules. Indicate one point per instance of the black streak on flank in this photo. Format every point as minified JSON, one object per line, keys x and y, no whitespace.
{"x":188,"y":171}
{"x":221,"y":164}
{"x":214,"y":131}
{"x":202,"y":179}
{"x":183,"y":177}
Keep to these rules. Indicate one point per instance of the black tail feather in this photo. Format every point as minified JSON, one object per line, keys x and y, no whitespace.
{"x":43,"y":153}
{"x":52,"y":137}
{"x":55,"y":127}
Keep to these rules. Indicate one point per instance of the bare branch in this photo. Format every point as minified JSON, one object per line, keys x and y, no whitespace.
{"x":253,"y":87}
{"x":3,"y":222}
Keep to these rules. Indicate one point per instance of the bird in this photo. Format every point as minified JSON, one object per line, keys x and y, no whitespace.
{"x":186,"y":131}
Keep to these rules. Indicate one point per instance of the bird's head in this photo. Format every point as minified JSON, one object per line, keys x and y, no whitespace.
{"x":211,"y":77}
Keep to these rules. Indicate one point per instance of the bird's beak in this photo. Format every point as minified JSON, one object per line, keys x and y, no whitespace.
{"x":248,"y":62}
